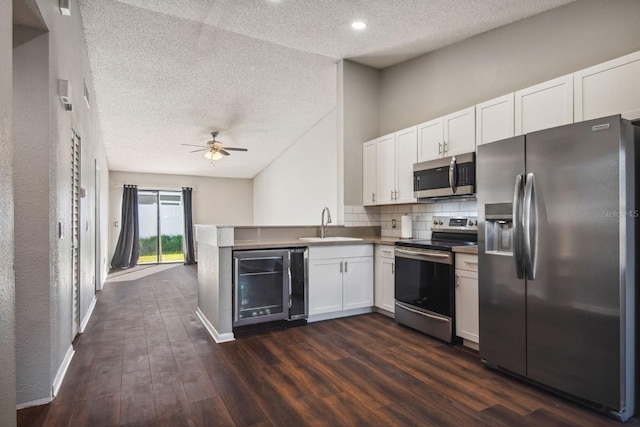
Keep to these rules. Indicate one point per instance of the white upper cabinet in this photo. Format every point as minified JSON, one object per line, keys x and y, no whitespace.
{"x":608,"y":88}
{"x":495,"y":119}
{"x":406,"y":156}
{"x":430,"y":140}
{"x":396,"y":153}
{"x":545,"y":105}
{"x":369,"y":173}
{"x":450,"y":135}
{"x":385,"y":169}
{"x":460,"y":132}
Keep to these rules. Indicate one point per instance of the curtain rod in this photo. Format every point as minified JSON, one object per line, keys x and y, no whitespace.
{"x":143,"y":187}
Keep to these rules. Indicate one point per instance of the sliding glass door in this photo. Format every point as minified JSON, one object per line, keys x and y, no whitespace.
{"x":161,"y":221}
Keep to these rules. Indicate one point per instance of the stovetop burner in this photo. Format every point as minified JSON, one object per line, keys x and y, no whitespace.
{"x":447,"y":232}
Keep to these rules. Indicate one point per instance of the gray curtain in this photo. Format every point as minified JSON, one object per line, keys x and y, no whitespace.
{"x":128,"y":247}
{"x":189,"y":252}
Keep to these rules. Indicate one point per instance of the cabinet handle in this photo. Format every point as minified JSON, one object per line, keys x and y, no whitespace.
{"x":471,"y":262}
{"x":396,"y":195}
{"x":393,"y":268}
{"x":445,"y":147}
{"x":373,"y":197}
{"x":439,"y":147}
{"x":391,"y":194}
{"x":345,"y":266}
{"x":340,"y":266}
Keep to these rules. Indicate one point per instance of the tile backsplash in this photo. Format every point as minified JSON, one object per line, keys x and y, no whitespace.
{"x":421,"y":214}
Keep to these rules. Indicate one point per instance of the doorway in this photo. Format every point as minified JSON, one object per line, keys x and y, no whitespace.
{"x":161,"y":224}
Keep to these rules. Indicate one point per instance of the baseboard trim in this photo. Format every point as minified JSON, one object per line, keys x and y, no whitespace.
{"x":217,"y":337}
{"x":38,"y":402}
{"x":62,"y":371}
{"x":87,"y":316}
{"x":338,"y":314}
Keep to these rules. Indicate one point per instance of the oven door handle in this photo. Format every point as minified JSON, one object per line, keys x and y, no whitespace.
{"x":421,"y":256}
{"x":422,"y":313}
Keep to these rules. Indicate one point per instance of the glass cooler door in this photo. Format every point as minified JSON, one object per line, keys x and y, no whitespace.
{"x":261,"y":286}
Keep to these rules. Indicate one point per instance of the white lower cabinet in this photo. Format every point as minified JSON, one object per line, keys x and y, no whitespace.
{"x":467,"y":320}
{"x":384,"y":296}
{"x":340,"y":278}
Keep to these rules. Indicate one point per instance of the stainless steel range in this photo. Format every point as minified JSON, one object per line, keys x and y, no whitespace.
{"x":425,"y":276}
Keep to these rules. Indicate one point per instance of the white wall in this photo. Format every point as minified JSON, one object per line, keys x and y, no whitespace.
{"x":215,"y":200}
{"x":7,"y":278}
{"x":527,"y":52}
{"x":295,"y":188}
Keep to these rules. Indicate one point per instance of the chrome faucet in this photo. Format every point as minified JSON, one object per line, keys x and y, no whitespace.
{"x":323,"y":226}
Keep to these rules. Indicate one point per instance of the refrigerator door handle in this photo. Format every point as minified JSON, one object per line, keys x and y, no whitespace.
{"x":517,"y":227}
{"x":530,"y":226}
{"x":453,"y":174}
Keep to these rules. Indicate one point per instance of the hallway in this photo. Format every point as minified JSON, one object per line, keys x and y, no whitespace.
{"x":146,"y":360}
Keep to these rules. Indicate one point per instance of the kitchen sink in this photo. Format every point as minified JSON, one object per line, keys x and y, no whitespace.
{"x":329,"y":239}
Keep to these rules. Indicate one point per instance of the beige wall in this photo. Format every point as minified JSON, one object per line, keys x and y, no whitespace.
{"x":42,"y":177}
{"x":554,"y":43}
{"x":215,"y":200}
{"x":31,"y":198}
{"x":359,"y":103}
{"x":7,"y":279}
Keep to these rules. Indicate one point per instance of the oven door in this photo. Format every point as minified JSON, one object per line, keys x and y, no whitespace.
{"x":424,"y":291}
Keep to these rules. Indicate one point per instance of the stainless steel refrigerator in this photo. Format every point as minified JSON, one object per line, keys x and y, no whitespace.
{"x":556,"y":245}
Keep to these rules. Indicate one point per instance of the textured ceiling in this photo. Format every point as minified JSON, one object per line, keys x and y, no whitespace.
{"x":262,"y":72}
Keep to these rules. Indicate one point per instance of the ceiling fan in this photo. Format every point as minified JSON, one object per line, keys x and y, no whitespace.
{"x":214,"y":149}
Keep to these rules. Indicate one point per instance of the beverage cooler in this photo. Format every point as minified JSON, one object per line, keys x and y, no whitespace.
{"x":269,"y":285}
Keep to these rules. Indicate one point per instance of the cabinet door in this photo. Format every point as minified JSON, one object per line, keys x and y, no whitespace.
{"x":495,"y":119}
{"x":357,"y":285}
{"x":406,"y":156}
{"x":385,"y":169}
{"x":369,"y":173}
{"x":430,"y":140}
{"x":460,"y":132}
{"x":325,"y":286}
{"x":467,"y":323}
{"x":384,"y":278}
{"x":545,"y":105}
{"x":608,"y":88}
{"x":388,"y":286}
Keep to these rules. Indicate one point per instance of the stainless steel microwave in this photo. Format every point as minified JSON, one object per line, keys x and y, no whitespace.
{"x":446,"y":177}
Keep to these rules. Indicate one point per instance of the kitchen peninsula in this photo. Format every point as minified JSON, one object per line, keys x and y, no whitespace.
{"x":215,"y":246}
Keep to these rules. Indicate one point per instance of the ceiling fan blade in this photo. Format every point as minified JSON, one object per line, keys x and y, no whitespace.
{"x":191,"y":145}
{"x":222,"y":150}
{"x":235,"y":149}
{"x":196,"y":151}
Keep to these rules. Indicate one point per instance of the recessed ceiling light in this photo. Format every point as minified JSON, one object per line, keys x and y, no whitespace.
{"x":358,"y":25}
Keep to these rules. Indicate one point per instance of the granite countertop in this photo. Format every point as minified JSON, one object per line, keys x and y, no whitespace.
{"x":473,"y":249}
{"x":296,"y":243}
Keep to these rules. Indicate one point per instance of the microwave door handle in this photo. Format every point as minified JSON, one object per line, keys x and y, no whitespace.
{"x":530,"y":226}
{"x":453,"y":175}
{"x":517,"y":227}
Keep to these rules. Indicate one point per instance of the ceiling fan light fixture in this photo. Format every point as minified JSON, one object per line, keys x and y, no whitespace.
{"x":213,"y":155}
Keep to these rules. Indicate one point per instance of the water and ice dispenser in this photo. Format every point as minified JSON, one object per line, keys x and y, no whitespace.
{"x":499,"y":228}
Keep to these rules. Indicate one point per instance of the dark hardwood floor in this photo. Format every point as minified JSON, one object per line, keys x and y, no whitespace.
{"x":145,"y":360}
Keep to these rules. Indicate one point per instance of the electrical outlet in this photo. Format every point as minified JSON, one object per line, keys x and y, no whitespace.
{"x":393,"y":223}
